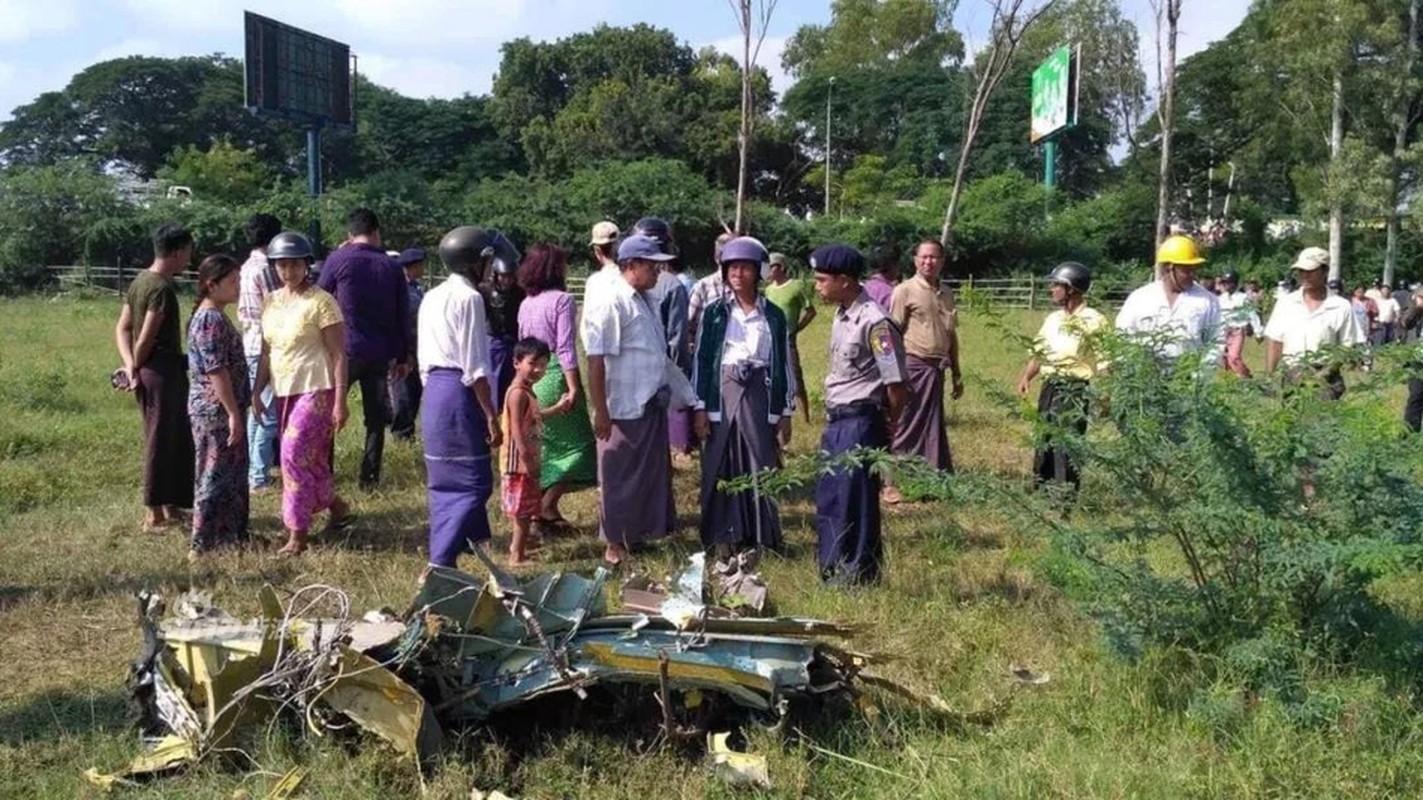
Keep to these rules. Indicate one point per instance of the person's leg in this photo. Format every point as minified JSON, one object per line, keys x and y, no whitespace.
{"x":376,"y":413}
{"x":1413,"y":409}
{"x":261,"y":433}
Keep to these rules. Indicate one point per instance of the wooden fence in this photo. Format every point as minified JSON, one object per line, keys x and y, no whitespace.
{"x":1031,"y":293}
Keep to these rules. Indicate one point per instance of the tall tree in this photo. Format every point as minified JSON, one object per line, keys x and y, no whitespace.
{"x":1012,"y":19}
{"x":752,"y":27}
{"x":1407,"y":107}
{"x":1168,"y":17}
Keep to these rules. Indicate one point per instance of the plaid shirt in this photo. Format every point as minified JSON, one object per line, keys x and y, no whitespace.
{"x":626,"y":330}
{"x":256,"y":281}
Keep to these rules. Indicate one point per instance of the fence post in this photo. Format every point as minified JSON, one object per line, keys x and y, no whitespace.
{"x":1032,"y":293}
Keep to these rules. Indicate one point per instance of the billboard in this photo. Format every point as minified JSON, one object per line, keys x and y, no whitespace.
{"x":296,"y":75}
{"x":1054,"y":90}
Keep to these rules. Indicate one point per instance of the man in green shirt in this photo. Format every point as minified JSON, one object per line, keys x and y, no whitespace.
{"x":150,"y":345}
{"x":792,"y":297}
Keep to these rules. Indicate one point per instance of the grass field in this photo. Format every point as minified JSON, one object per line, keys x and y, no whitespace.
{"x":964,"y":598}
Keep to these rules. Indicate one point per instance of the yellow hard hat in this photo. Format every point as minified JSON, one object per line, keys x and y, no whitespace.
{"x":1179,"y":250}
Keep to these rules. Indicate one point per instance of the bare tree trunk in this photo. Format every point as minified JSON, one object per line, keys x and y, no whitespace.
{"x":1402,"y":119}
{"x":743,"y":9}
{"x":1170,"y":13}
{"x":743,"y":136}
{"x":1010,"y":22}
{"x":1336,"y":206}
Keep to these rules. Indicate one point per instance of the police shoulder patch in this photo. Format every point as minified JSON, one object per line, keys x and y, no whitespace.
{"x":881,"y":338}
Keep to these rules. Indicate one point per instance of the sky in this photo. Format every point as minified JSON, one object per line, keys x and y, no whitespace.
{"x":436,"y":48}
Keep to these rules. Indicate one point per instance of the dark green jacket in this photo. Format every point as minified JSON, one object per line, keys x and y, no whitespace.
{"x":706,"y":371}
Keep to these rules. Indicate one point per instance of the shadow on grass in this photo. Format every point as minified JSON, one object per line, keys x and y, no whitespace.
{"x":56,"y":714}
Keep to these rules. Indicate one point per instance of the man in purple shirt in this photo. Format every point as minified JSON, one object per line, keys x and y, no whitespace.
{"x":884,"y":266}
{"x":370,"y":288}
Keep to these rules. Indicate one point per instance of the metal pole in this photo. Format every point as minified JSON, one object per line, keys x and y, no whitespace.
{"x":1050,"y":164}
{"x":313,"y":182}
{"x":829,"y":92}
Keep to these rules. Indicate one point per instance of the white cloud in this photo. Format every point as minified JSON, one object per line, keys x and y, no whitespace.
{"x":22,"y":20}
{"x":769,"y":58}
{"x":419,"y":76}
{"x":139,"y":47}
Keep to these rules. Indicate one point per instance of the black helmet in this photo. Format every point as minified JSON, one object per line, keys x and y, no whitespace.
{"x":289,"y":244}
{"x":464,"y":249}
{"x":506,"y":255}
{"x":1230,"y":276}
{"x":1073,"y":275}
{"x":1400,"y":286}
{"x":658,"y":229}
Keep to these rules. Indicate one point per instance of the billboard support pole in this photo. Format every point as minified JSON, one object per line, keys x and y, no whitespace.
{"x":1050,"y":164}
{"x":313,"y":181}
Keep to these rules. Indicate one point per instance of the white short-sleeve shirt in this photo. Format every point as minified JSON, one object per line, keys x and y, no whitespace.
{"x":1193,"y":323}
{"x":626,"y":331}
{"x":1301,"y":331}
{"x":451,"y":331}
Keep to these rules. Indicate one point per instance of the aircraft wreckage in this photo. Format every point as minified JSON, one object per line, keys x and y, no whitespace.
{"x":465,"y":650}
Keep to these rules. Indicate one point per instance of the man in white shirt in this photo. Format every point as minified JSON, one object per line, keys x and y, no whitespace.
{"x":1307,"y":321}
{"x":458,"y":422}
{"x":629,"y":393}
{"x":1239,"y":319}
{"x":1175,"y":315}
{"x":706,"y":291}
{"x":604,"y":242}
{"x":1387,"y":319}
{"x":256,"y":280}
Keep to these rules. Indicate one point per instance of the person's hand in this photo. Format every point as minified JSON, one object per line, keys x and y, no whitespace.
{"x":957,"y":385}
{"x":339,"y":413}
{"x":496,"y":435}
{"x":259,"y":408}
{"x":1023,"y":387}
{"x":132,"y":374}
{"x":602,"y":425}
{"x":563,"y":406}
{"x":399,"y":371}
{"x":236,"y":429}
{"x":701,"y":424}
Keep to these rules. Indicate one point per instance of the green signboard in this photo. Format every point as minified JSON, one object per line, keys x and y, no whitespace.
{"x":1052,"y":94}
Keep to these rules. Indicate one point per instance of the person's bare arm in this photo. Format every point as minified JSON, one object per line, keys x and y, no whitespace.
{"x":1273,"y":349}
{"x":480,"y":387}
{"x":147,"y":336}
{"x":518,"y":403}
{"x":598,"y":396}
{"x":123,"y":339}
{"x":954,"y":374}
{"x":806,"y":316}
{"x":1026,"y":379}
{"x":236,"y":423}
{"x":898,"y":397}
{"x":333,"y":337}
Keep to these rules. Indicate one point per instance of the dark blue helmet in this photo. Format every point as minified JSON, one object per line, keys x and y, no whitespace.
{"x":289,"y":244}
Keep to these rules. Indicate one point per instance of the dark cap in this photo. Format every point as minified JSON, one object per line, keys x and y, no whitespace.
{"x":643,"y":248}
{"x":410,"y":255}
{"x":838,"y":259}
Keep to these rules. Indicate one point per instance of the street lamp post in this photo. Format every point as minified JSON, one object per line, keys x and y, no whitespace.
{"x":828,"y":92}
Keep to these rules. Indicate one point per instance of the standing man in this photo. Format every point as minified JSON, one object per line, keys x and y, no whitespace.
{"x":405,"y":392}
{"x":1239,"y":318}
{"x":1389,"y":309}
{"x":150,"y":345}
{"x":458,"y":421}
{"x":628,"y":385}
{"x":502,"y":297}
{"x":792,"y":297}
{"x":371,"y":291}
{"x":923,"y":308}
{"x":707,"y":291}
{"x":604,"y":243}
{"x":1308,"y":320}
{"x":864,"y":395}
{"x":256,"y":280}
{"x":884,"y":264}
{"x":672,"y":299}
{"x":1064,"y":353}
{"x":1174,"y":314}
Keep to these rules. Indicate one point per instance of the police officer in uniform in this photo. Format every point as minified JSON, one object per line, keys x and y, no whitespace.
{"x":502,"y":297}
{"x":864,"y":394}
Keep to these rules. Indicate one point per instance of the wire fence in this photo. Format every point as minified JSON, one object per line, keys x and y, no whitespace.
{"x":1030,"y":293}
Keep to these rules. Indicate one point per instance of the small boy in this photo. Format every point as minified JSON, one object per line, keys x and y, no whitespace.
{"x":522,"y":454}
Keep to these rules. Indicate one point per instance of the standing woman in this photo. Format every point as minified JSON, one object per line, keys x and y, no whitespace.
{"x":304,"y":358}
{"x":746,"y":396}
{"x":217,"y":407}
{"x":550,"y":313}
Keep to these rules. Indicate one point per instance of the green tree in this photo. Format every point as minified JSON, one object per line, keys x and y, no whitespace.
{"x":45,"y":216}
{"x":223,"y":172}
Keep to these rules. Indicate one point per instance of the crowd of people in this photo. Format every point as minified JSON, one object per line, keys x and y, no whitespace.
{"x":487,"y":361}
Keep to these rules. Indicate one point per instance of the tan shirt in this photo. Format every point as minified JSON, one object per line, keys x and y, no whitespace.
{"x":1064,"y":343}
{"x":925,"y":315}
